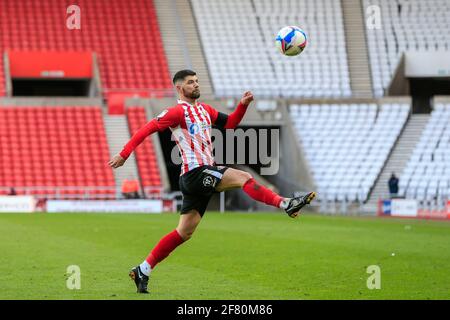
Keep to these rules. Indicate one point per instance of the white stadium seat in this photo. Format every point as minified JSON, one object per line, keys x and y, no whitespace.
{"x":240,"y":34}
{"x":347,"y":144}
{"x":427,"y":173}
{"x":410,"y":25}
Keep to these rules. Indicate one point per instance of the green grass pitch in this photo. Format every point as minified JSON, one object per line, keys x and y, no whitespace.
{"x":231,"y":256}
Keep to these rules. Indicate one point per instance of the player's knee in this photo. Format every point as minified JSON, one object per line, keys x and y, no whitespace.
{"x":186,"y":231}
{"x":187,"y":224}
{"x":186,"y":234}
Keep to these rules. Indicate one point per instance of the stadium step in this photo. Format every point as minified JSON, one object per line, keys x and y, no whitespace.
{"x":118,"y":134}
{"x":399,"y":156}
{"x":357,"y":54}
{"x":181,"y":40}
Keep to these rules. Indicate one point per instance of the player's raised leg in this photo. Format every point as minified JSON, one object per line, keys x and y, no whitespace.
{"x":186,"y":226}
{"x":233,"y":178}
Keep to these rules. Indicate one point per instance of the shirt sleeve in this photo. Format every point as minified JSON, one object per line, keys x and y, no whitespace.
{"x":213,"y":113}
{"x":236,"y":116}
{"x":217,"y":118}
{"x":168,"y":118}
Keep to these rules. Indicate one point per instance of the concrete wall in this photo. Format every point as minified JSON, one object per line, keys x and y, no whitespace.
{"x":50,"y":101}
{"x":427,"y":64}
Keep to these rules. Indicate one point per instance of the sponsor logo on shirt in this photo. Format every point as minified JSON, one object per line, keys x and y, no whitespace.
{"x":194,"y":128}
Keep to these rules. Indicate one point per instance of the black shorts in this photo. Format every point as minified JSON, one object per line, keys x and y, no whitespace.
{"x":198,"y":186}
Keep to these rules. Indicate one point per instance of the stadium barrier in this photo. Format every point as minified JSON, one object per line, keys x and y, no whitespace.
{"x":409,"y":208}
{"x":448,"y":209}
{"x":17,"y":204}
{"x":152,"y":192}
{"x":72,"y":192}
{"x":91,"y":199}
{"x":433,"y":214}
{"x":400,"y":207}
{"x":122,"y":206}
{"x":85,"y":193}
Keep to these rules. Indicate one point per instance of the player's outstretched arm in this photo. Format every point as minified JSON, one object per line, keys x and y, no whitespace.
{"x":235,"y":118}
{"x":119,"y":159}
{"x":168,"y":118}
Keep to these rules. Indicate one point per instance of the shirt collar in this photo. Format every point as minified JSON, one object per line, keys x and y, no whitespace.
{"x":185,"y":102}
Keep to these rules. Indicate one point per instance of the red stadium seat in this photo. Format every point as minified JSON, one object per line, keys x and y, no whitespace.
{"x":45,"y":157}
{"x":127,"y":58}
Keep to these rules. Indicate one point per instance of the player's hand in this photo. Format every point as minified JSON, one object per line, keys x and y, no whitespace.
{"x":247,"y":97}
{"x":116,"y":161}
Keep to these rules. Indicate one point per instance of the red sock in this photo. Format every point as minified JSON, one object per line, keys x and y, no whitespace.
{"x":164,"y":247}
{"x":261,"y":193}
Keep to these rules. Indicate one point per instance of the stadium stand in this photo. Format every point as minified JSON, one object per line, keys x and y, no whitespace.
{"x":145,"y":154}
{"x":62,"y":151}
{"x":426,"y":176}
{"x":124,"y":34}
{"x":55,"y":152}
{"x":412,"y":25}
{"x":347,"y":145}
{"x":236,"y":62}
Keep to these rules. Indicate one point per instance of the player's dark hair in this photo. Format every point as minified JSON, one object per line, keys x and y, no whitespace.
{"x":180,"y":75}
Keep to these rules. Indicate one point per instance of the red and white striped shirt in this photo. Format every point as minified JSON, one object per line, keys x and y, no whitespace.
{"x":191,"y":129}
{"x":193,"y":134}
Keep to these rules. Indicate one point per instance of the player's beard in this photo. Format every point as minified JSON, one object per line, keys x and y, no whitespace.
{"x":193,"y":95}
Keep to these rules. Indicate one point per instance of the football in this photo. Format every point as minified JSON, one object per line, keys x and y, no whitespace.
{"x":291,"y":41}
